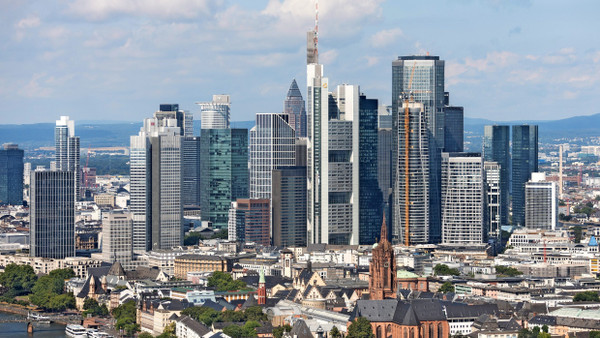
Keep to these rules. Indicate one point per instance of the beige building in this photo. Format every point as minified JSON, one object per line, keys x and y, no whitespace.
{"x":200,"y":263}
{"x":41,"y":265}
{"x":105,"y":200}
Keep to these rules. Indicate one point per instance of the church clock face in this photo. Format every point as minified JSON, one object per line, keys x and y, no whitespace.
{"x":385,"y":265}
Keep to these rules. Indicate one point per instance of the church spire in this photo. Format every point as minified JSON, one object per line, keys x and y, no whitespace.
{"x":383,"y":230}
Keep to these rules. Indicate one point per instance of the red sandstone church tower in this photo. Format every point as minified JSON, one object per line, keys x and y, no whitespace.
{"x":382,"y":271}
{"x":262,"y":290}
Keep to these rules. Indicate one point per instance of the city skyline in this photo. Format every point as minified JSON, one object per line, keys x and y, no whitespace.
{"x":67,"y":58}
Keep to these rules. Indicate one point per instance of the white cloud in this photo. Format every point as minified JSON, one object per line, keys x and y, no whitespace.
{"x":97,"y":10}
{"x":372,"y":60}
{"x":33,"y":89}
{"x":328,"y":57}
{"x":29,"y":22}
{"x":385,"y":37}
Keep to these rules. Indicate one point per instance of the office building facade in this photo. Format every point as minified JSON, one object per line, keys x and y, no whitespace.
{"x":156,"y":185}
{"x":11,"y":174}
{"x":493,"y":198}
{"x":67,"y":154}
{"x":52,"y":217}
{"x":250,"y":219}
{"x":294,"y":106}
{"x":117,"y":226}
{"x":496,"y":148}
{"x":191,"y":170}
{"x":411,"y":201}
{"x":462,"y":199}
{"x":421,"y":79}
{"x":272,"y":145}
{"x":215,"y":114}
{"x":524,"y":162}
{"x":370,"y":197}
{"x":223,"y":172}
{"x":289,"y":206}
{"x":541,"y":203}
{"x":453,"y":129}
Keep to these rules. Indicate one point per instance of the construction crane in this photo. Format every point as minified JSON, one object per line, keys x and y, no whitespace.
{"x":408,"y":97}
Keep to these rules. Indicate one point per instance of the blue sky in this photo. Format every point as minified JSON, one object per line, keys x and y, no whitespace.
{"x":119,"y":59}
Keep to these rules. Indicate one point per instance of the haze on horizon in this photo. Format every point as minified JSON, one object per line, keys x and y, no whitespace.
{"x":119,"y":59}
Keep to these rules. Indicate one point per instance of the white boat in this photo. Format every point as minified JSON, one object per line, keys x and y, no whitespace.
{"x":76,"y":331}
{"x":100,"y":334}
{"x":38,"y":317}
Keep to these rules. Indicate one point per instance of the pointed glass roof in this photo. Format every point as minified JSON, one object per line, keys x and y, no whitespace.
{"x":294,"y":91}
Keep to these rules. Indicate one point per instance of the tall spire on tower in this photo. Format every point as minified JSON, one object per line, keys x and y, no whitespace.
{"x":383,"y":230}
{"x":312,"y":40}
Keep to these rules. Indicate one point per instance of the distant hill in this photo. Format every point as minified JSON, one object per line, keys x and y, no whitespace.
{"x":94,"y":134}
{"x":112,"y":133}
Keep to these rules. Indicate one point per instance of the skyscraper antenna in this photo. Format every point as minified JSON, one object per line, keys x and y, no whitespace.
{"x":317,"y":29}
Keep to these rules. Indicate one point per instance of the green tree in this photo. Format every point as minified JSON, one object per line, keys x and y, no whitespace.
{"x":48,"y":291}
{"x":145,"y":335}
{"x":232,"y":316}
{"x":192,"y":238}
{"x":594,"y":334}
{"x":444,"y":270}
{"x":587,"y":296}
{"x":168,"y":332}
{"x":360,"y":328}
{"x":578,"y":233}
{"x":224,"y":282}
{"x":17,"y":279}
{"x":202,"y":314}
{"x":335,"y":333}
{"x":63,"y":274}
{"x":507,"y":271}
{"x":92,"y":308}
{"x":446,"y":287}
{"x":221,"y":234}
{"x":125,"y":316}
{"x":278,"y":331}
{"x":255,"y":313}
{"x":234,"y":331}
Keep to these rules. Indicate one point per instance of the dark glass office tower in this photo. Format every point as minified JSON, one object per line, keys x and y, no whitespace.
{"x":496,"y":148}
{"x":294,"y":106}
{"x":421,"y":78}
{"x":223,"y":172}
{"x":11,"y":175}
{"x":191,"y":170}
{"x":52,"y":214}
{"x":370,"y":199}
{"x":453,"y":129}
{"x":524,"y":162}
{"x":289,"y":206}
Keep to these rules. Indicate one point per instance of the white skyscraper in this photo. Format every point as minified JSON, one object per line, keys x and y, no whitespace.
{"x":462,"y":198}
{"x":67,"y":150}
{"x":156,"y":185}
{"x":493,"y":193}
{"x":215,"y":114}
{"x":272,"y":145}
{"x":541,"y":207}
{"x":116,"y":237}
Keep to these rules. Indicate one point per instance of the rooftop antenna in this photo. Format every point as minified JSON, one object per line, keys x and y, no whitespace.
{"x":317,"y":30}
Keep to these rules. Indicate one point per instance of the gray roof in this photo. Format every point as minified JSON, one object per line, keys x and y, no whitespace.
{"x":197,"y":327}
{"x":301,"y":330}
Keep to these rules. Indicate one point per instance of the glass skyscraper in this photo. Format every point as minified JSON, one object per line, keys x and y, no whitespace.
{"x":524,"y":162}
{"x":52,"y":214}
{"x":421,"y":79}
{"x":224,"y":172}
{"x":411,"y":200}
{"x":496,"y":148}
{"x":462,"y":199}
{"x":67,"y":150}
{"x":289,"y":206}
{"x":156,"y":185}
{"x":453,"y":129}
{"x":11,"y":175}
{"x":370,"y":196}
{"x":294,"y":106}
{"x":272,"y":145}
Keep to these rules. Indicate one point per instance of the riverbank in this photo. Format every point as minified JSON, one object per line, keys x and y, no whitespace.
{"x":19,"y":329}
{"x":24,"y":311}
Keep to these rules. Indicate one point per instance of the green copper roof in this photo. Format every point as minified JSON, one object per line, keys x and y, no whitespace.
{"x":406,"y":274}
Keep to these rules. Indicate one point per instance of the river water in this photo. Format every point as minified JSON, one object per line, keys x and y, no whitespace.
{"x":19,"y":330}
